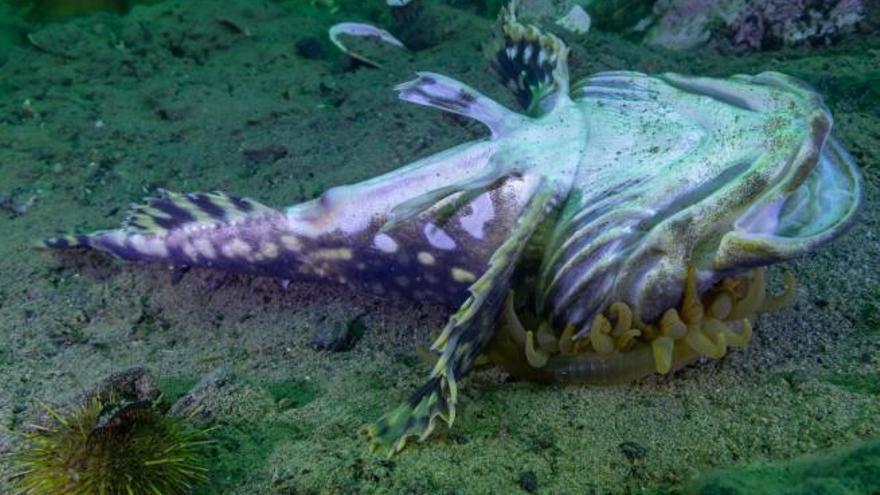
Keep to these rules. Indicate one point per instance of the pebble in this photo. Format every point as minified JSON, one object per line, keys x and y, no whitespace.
{"x":310,"y":48}
{"x":633,"y":451}
{"x":528,"y":481}
{"x":132,"y":384}
{"x":193,"y":401}
{"x":338,"y":337}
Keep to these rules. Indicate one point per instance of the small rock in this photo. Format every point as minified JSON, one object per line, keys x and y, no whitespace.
{"x":633,"y":451}
{"x":270,"y":153}
{"x":421,"y":25}
{"x":820,"y":303}
{"x":528,"y":481}
{"x":338,"y":338}
{"x":194,"y":401}
{"x":131,"y":384}
{"x":173,"y":113}
{"x":310,"y":48}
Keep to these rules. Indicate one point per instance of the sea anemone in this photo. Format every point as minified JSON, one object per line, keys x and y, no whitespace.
{"x":111,"y":448}
{"x":628,"y":349}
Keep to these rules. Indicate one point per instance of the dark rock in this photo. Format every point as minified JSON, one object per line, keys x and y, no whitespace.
{"x":458,"y":438}
{"x":173,"y":113}
{"x":310,"y":48}
{"x":633,"y":451}
{"x":193,"y":402}
{"x":422,"y":25}
{"x":528,"y":481}
{"x":131,"y":384}
{"x":339,"y":337}
{"x":270,"y":153}
{"x":820,"y":303}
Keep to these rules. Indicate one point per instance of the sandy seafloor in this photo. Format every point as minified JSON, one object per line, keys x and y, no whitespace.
{"x":101,"y":110}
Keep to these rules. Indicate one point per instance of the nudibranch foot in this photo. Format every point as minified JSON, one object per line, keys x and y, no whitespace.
{"x":706,"y":325}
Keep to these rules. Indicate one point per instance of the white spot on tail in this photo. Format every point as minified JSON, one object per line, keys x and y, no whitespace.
{"x":205,"y":248}
{"x":235,"y":248}
{"x":482,"y":212}
{"x":292,"y":243}
{"x":426,"y":258}
{"x":150,"y":246}
{"x":190,"y":251}
{"x":463,"y":276}
{"x":438,"y":237}
{"x":332,"y":254}
{"x":385,"y":243}
{"x":268,"y":250}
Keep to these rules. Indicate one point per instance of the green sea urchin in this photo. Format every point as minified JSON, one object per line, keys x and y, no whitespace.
{"x":111,"y":448}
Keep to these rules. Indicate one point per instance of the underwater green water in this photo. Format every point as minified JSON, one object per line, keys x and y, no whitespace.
{"x":104,"y":102}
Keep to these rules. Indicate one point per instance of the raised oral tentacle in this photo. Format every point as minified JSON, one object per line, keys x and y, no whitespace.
{"x":536,"y":357}
{"x":599,"y":338}
{"x":691,"y":306}
{"x":623,"y":317}
{"x":754,"y":297}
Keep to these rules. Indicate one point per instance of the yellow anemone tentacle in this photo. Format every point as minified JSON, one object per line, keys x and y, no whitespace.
{"x":537,"y":358}
{"x":691,"y":306}
{"x":754,"y":297}
{"x":618,"y":346}
{"x":671,"y":325}
{"x":662,"y":348}
{"x":700,"y":342}
{"x":602,"y":342}
{"x":623,"y":318}
{"x":566,"y":345}
{"x":627,"y":338}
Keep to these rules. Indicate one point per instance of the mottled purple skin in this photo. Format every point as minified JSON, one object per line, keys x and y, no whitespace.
{"x":425,"y":259}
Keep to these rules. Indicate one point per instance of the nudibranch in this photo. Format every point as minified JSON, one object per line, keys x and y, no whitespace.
{"x":615,"y":228}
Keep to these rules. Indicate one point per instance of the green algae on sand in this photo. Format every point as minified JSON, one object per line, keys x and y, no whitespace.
{"x":849,"y":471}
